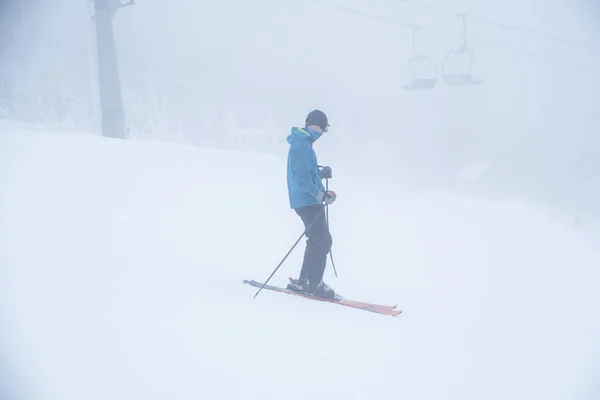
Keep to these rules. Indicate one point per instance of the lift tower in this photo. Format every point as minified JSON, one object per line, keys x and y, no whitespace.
{"x":109,"y":84}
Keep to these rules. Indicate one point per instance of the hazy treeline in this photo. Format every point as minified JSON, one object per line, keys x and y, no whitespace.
{"x":237,"y":74}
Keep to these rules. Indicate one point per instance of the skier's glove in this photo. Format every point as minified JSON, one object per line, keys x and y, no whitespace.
{"x":325,"y":173}
{"x":328,"y":196}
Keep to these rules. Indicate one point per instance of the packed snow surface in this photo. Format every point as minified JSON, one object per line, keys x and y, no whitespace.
{"x":121,"y":269}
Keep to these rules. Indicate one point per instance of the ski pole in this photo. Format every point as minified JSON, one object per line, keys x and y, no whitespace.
{"x":289,"y":252}
{"x":327,"y":217}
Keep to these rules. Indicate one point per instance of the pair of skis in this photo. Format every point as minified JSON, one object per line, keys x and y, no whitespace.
{"x":361,"y":305}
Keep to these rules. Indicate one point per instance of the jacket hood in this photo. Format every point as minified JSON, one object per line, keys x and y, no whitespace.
{"x":298,"y":134}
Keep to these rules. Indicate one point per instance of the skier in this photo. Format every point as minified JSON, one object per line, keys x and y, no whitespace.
{"x":306,"y":196}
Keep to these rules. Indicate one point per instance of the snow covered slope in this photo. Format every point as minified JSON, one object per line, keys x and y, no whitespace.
{"x":121,"y":278}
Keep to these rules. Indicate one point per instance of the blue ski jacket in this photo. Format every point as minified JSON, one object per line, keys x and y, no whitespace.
{"x":303,"y":180}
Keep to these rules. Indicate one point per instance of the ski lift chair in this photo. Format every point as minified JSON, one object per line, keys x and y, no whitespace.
{"x":424,"y":73}
{"x":423,"y":70}
{"x":457,"y":66}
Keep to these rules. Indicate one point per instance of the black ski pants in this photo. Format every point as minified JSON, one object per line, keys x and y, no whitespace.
{"x":318,"y":242}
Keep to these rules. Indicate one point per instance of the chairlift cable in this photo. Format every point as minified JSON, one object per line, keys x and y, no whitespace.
{"x":445,"y":33}
{"x":380,"y":17}
{"x":503,"y":25}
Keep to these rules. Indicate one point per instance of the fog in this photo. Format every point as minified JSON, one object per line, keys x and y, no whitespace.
{"x":238,"y":74}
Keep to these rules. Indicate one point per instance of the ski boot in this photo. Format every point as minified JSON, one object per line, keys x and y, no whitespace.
{"x":298,"y":285}
{"x":321,"y":289}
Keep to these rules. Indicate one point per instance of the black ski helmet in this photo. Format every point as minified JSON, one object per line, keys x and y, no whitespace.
{"x":317,"y":117}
